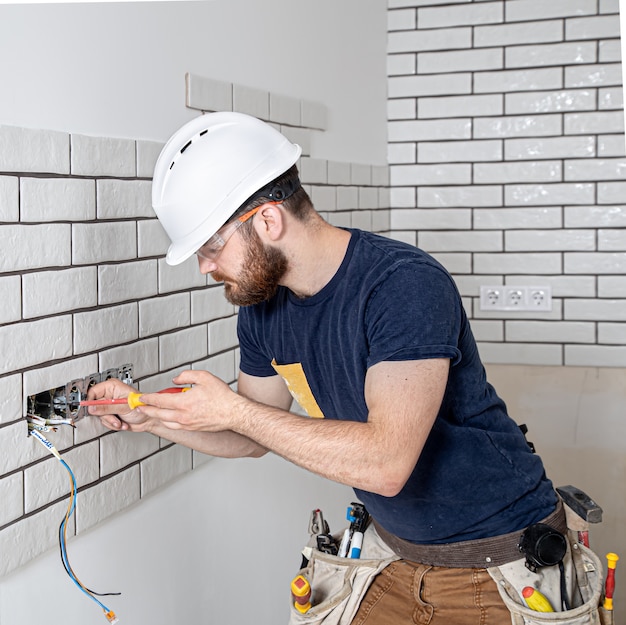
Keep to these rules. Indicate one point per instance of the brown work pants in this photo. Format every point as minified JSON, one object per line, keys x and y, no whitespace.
{"x":408,"y":593}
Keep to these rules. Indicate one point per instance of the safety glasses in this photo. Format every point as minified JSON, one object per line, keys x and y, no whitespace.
{"x":212,"y":248}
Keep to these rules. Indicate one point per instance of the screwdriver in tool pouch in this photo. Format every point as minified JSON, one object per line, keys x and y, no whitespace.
{"x":133,"y":398}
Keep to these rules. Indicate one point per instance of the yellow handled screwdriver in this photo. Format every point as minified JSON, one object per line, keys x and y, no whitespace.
{"x":133,"y":398}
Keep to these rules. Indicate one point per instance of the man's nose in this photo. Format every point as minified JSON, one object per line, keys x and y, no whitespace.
{"x":206,"y":265}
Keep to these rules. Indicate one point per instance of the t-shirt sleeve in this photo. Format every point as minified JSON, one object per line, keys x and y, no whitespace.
{"x":253,"y":360}
{"x":415,"y":313}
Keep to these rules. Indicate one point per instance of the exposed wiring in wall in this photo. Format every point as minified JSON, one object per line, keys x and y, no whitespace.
{"x":34,"y":428}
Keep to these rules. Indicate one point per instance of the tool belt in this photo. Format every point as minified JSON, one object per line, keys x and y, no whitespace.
{"x":481,"y":553}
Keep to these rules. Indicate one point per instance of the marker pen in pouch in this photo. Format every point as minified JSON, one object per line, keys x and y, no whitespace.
{"x":344,"y":545}
{"x":356,"y":544}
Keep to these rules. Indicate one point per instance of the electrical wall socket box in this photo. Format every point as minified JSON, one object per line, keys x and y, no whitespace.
{"x":516,"y":298}
{"x":63,"y":402}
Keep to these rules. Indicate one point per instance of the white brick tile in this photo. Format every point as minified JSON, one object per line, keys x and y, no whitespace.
{"x":106,"y":498}
{"x":11,"y":493}
{"x":595,"y":169}
{"x":313,"y":170}
{"x":360,"y":174}
{"x":102,"y":156}
{"x":595,"y":216}
{"x":605,"y":122}
{"x":595,"y":356}
{"x":368,"y":199}
{"x":553,"y":147}
{"x":184,"y":346}
{"x":380,"y":175}
{"x":515,"y":34}
{"x":223,"y":366}
{"x":609,"y":51}
{"x":19,"y":449}
{"x":285,"y":110}
{"x":538,"y":9}
{"x":10,"y":399}
{"x":419,"y":86}
{"x":520,"y":354}
{"x":517,"y":126}
{"x":46,"y":481}
{"x":459,"y":106}
{"x":469,"y":286}
{"x":347,"y":198}
{"x":10,"y":296}
{"x":550,"y":101}
{"x":599,"y":27}
{"x":381,"y":221}
{"x":9,"y":198}
{"x":101,"y":242}
{"x":104,"y":327}
{"x":609,"y":6}
{"x":301,"y":136}
{"x":460,"y":15}
{"x":593,"y":75}
{"x":88,"y":429}
{"x":24,"y":541}
{"x":475,"y":241}
{"x":338,"y":173}
{"x":143,"y":354}
{"x":222,"y":335}
{"x":611,"y":286}
{"x":611,"y":192}
{"x":611,"y":145}
{"x":406,"y":175}
{"x":151,"y":238}
{"x":438,"y":39}
{"x":402,"y":197}
{"x":406,"y":237}
{"x":455,"y":262}
{"x":57,"y":199}
{"x":340,"y":220}
{"x":361,"y":219}
{"x":429,"y":219}
{"x":120,"y":199}
{"x":549,"y":240}
{"x":612,"y":333}
{"x":610,"y":98}
{"x":401,"y":20}
{"x":461,"y":61}
{"x":147,"y":155}
{"x":34,"y":246}
{"x":255,"y":102}
{"x":401,"y":109}
{"x":562,"y":286}
{"x":31,"y":343}
{"x":124,"y":448}
{"x":127,"y":281}
{"x":518,"y":80}
{"x":550,"y":332}
{"x":209,"y":304}
{"x":161,"y":314}
{"x":314,"y":115}
{"x":52,"y":292}
{"x":551,"y":54}
{"x":163,"y":467}
{"x":435,"y":130}
{"x":512,"y":218}
{"x":549,"y":194}
{"x":598,"y":262}
{"x":486,"y":330}
{"x":521,"y":171}
{"x":401,"y":64}
{"x":538,"y":263}
{"x":206,"y":94}
{"x":180,"y":277}
{"x":436,"y":197}
{"x":458,"y":151}
{"x":30,"y":150}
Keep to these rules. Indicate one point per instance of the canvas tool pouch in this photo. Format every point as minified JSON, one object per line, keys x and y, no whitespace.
{"x":584,"y":583}
{"x":339,"y":584}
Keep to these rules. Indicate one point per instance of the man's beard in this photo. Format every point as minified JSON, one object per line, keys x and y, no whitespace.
{"x":258,"y":281}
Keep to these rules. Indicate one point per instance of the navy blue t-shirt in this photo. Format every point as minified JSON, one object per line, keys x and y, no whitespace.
{"x":389,"y":301}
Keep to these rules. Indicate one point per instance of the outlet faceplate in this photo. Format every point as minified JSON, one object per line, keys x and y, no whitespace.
{"x":63,"y":402}
{"x":521,"y":298}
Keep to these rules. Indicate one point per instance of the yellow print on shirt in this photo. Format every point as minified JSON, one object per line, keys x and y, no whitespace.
{"x":299,"y":388}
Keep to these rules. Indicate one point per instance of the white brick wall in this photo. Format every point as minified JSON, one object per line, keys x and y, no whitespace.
{"x":506,"y":152}
{"x":84,"y":287}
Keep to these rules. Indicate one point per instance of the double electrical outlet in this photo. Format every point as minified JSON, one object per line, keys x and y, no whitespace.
{"x":63,"y":402}
{"x":521,"y":298}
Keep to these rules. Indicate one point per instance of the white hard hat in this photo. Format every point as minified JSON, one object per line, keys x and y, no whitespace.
{"x":208,"y":169}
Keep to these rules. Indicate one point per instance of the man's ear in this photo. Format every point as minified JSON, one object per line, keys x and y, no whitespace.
{"x":271,"y":220}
